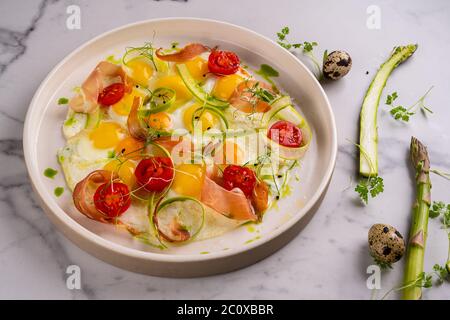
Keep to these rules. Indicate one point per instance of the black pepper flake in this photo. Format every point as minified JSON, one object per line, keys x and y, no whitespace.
{"x":367,"y":72}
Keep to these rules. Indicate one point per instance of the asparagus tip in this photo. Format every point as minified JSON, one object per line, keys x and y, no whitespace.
{"x":419,"y":155}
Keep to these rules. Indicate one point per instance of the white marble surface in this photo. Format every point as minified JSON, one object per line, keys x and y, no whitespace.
{"x":329,"y":258}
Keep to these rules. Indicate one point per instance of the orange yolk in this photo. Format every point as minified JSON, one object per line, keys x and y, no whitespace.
{"x":141,"y":71}
{"x":124,"y":169}
{"x":123,"y":107}
{"x":106,"y":135}
{"x":159,"y":121}
{"x":206,"y":119}
{"x":198,"y":68}
{"x":224,"y":87}
{"x":188,"y":180}
{"x":175,"y":83}
{"x":129,"y":148}
{"x":228,"y":153}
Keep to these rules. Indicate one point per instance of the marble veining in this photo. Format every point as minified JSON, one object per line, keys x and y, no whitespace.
{"x":329,"y":258}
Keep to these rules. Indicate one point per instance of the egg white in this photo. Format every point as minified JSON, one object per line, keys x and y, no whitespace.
{"x":79,"y":157}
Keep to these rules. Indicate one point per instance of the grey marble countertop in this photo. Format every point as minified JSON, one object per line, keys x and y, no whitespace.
{"x":329,"y":258}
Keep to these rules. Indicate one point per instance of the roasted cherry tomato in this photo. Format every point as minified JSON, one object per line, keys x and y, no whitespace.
{"x":286,"y":134}
{"x":111,"y":94}
{"x":155,"y":173}
{"x":239,"y":177}
{"x":223,"y":62}
{"x":112,"y":199}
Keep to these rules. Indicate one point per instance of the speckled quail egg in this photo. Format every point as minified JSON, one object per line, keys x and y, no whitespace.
{"x":386,"y":244}
{"x":337,"y":65}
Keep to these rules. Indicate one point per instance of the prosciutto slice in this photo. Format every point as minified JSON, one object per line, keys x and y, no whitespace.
{"x":134,"y":124}
{"x":189,"y":52}
{"x":103,"y":75}
{"x":83,"y":194}
{"x":232,"y":204}
{"x":244,"y":100}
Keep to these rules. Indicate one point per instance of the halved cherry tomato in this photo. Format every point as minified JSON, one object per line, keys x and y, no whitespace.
{"x":239,"y":177}
{"x":223,"y":62}
{"x":155,"y":173}
{"x":286,"y":134}
{"x":112,"y":199}
{"x":111,"y":94}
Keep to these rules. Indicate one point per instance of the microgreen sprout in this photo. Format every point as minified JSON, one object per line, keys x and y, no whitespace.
{"x":402,"y":113}
{"x":306,"y":46}
{"x":442,"y":210}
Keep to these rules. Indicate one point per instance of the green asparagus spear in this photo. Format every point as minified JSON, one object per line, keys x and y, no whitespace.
{"x":368,"y":165}
{"x":419,"y":223}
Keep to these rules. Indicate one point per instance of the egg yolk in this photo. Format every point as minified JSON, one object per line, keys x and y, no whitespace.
{"x":159,"y":121}
{"x":124,"y":169}
{"x":198,"y":68}
{"x":129,"y":148}
{"x":206,"y":119}
{"x":141,"y":71}
{"x":224,"y":87}
{"x":188,"y":180}
{"x":123,"y":107}
{"x":228,"y":153}
{"x":175,"y":83}
{"x":106,"y":135}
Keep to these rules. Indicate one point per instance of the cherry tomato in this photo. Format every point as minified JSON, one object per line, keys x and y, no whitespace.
{"x":111,"y":94}
{"x":154,"y":173}
{"x":223,"y":62}
{"x":286,"y":134}
{"x":239,"y":177}
{"x":112,"y":199}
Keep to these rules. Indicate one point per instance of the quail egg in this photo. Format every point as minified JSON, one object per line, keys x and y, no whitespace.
{"x":386,"y":244}
{"x":336,"y":65}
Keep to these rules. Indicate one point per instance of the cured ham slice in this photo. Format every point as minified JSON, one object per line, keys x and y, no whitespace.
{"x":103,"y":75}
{"x":134,"y":124}
{"x":245,"y":100}
{"x":232,"y":204}
{"x":189,"y":52}
{"x":83,"y":194}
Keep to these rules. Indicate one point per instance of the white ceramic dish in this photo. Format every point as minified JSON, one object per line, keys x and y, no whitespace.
{"x":42,"y":137}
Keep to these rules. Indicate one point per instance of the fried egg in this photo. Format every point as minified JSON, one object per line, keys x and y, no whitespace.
{"x":89,"y":150}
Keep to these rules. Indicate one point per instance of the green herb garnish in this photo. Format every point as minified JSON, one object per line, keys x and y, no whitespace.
{"x":442,"y":210}
{"x":372,"y":186}
{"x":439,"y":208}
{"x":63,"y":100}
{"x":423,"y":280}
{"x":306,"y":46}
{"x":401,"y":113}
{"x":50,"y":173}
{"x":267,"y":72}
{"x":111,"y":154}
{"x":112,"y":59}
{"x":146,"y":51}
{"x":58,"y":191}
